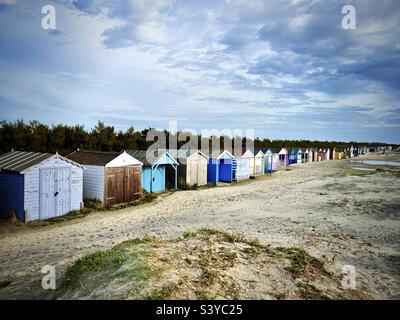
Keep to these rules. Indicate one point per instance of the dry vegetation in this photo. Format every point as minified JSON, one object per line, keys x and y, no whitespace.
{"x":203,"y":264}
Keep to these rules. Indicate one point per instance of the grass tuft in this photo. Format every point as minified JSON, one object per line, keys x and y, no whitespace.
{"x":303,"y":265}
{"x":95,"y":269}
{"x":227,"y":236}
{"x":310,"y":292}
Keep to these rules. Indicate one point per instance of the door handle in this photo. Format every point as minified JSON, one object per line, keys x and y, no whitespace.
{"x":56,"y":194}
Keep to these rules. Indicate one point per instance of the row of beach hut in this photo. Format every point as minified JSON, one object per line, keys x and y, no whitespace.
{"x":36,"y":186}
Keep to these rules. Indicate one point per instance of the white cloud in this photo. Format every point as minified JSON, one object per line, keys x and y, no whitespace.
{"x":299,"y":21}
{"x":204,"y":65}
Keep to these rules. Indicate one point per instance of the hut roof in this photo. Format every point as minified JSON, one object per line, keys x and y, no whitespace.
{"x":276,"y":150}
{"x":95,"y":158}
{"x":149,"y":158}
{"x":185,"y":153}
{"x":263,"y":150}
{"x":19,"y":161}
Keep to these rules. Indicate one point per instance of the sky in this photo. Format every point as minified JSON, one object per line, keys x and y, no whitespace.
{"x":286,"y":69}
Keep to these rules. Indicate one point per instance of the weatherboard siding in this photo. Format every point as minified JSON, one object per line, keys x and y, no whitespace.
{"x":11,"y":194}
{"x":32,"y":193}
{"x":243,"y":168}
{"x":93,"y":186}
{"x":258,"y":164}
{"x":76,"y":188}
{"x":268,"y":162}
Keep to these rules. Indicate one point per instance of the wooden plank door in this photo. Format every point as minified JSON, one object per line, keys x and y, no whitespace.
{"x":123,"y":184}
{"x":47,"y":202}
{"x":111,"y":187}
{"x":63,"y":191}
{"x":133,"y":185}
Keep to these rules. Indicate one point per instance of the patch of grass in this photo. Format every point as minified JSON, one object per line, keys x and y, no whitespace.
{"x":203,"y":295}
{"x":310,"y":292}
{"x":395,"y":173}
{"x":227,"y":236}
{"x":252,"y":251}
{"x":280,"y":295}
{"x":4,"y":283}
{"x":361,"y":173}
{"x":207,"y":186}
{"x":163,"y":293}
{"x":212,"y":261}
{"x":303,"y":265}
{"x":94,"y":269}
{"x":94,"y":205}
{"x":353,"y":173}
{"x":182,"y":185}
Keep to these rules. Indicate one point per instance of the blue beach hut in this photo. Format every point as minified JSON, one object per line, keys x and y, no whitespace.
{"x":293,"y":156}
{"x":221,"y":168}
{"x":154,"y":167}
{"x":269,"y":157}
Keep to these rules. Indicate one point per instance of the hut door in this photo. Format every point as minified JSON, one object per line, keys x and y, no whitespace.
{"x":113,"y":186}
{"x":203,"y":171}
{"x":194,"y":174}
{"x":63,"y":191}
{"x":47,"y":190}
{"x":132,"y":175}
{"x":55,"y":192}
{"x":122,"y":185}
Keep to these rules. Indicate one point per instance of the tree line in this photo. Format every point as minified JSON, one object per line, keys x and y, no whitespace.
{"x":38,"y":137}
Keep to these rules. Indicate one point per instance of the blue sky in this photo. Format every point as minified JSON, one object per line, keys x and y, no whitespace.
{"x":286,"y":69}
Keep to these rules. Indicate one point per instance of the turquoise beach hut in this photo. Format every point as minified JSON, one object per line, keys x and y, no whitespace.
{"x":154,"y":167}
{"x":268,"y":158}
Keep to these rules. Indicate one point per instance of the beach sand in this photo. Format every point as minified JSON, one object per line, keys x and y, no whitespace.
{"x":340,"y":215}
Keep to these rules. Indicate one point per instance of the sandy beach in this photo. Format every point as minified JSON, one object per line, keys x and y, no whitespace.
{"x":338,"y":213}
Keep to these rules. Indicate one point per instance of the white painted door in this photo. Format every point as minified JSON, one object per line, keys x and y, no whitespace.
{"x":55,"y":192}
{"x":63,"y":191}
{"x":47,"y":189}
{"x":203,"y":171}
{"x":193,"y":172}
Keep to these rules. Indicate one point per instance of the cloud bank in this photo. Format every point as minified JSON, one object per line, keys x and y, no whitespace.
{"x":284,"y":68}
